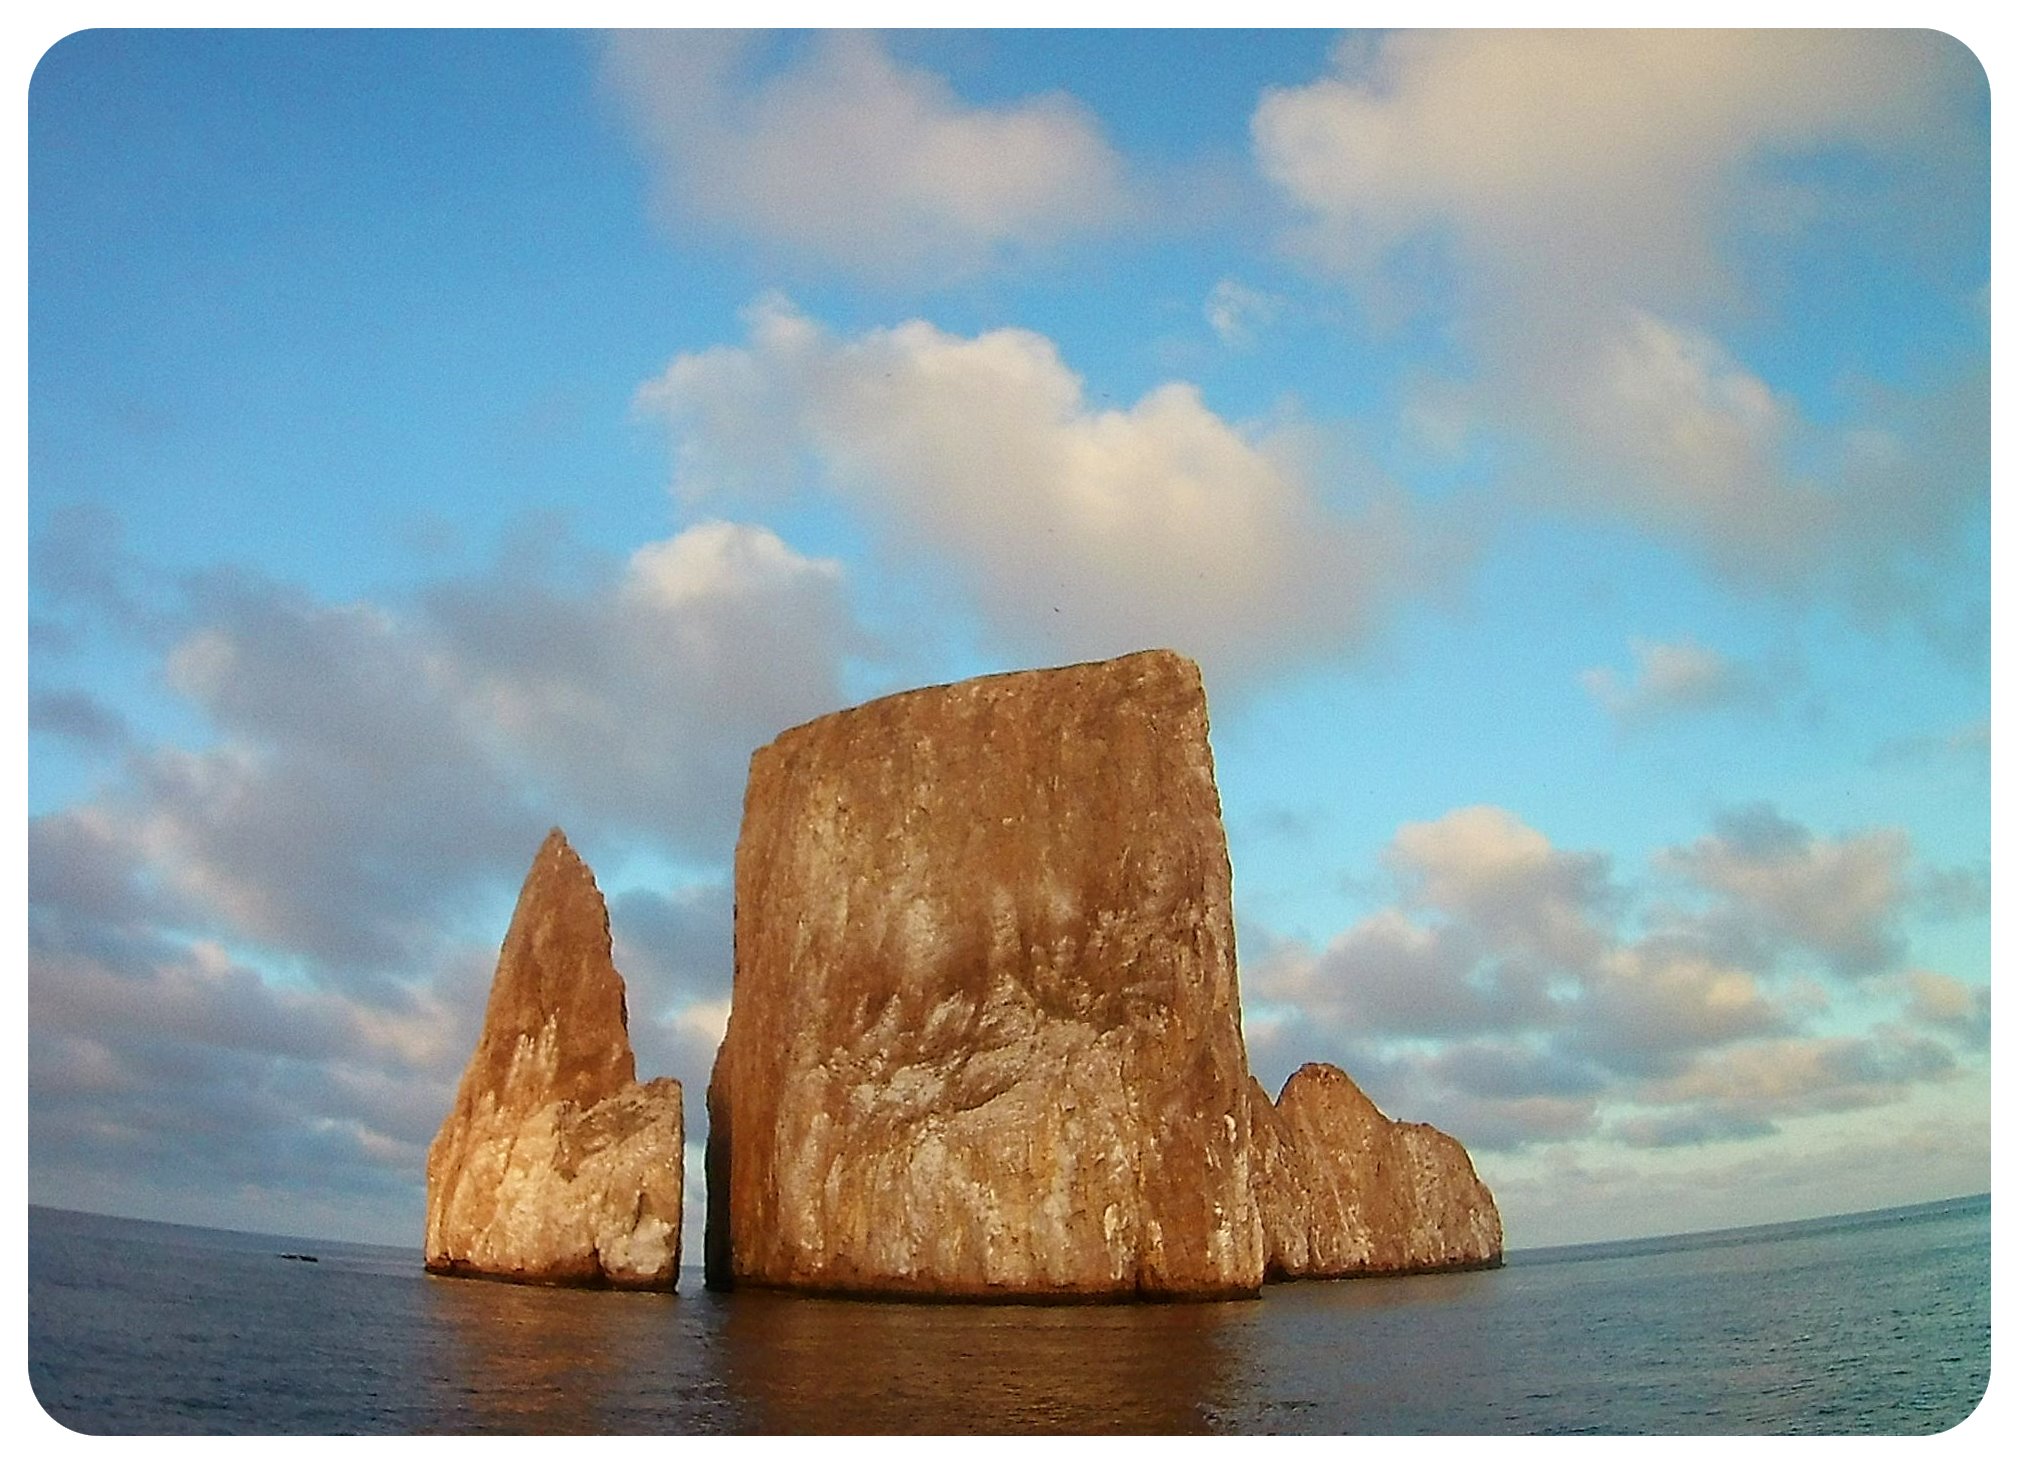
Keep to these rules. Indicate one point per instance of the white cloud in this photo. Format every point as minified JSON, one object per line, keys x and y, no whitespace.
{"x":1651,"y":999}
{"x":1506,"y":881}
{"x":1944,"y":1003}
{"x":704,"y":1020}
{"x":1516,"y":995}
{"x":252,"y":961}
{"x":844,"y":156}
{"x":1659,"y":425}
{"x":1390,"y":975}
{"x":1078,"y":531}
{"x":1605,"y":158}
{"x":1673,"y":678}
{"x":369,"y":761}
{"x":1578,"y":193}
{"x":1837,"y":897}
{"x":1806,"y":1074}
{"x":638,"y":704}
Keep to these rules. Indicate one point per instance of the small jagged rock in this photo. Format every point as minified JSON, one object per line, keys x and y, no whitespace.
{"x":985,"y":1036}
{"x":555,"y":1165}
{"x":1346,"y":1191}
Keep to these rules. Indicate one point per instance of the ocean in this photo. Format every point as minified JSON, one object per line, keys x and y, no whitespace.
{"x":1877,"y":1323}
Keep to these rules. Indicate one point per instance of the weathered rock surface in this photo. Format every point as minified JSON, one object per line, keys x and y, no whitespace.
{"x":1346,"y":1191}
{"x":985,"y":1033}
{"x":555,"y":1164}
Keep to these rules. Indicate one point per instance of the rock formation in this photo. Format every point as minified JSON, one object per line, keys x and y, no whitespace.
{"x":985,"y":1036}
{"x":555,"y":1164}
{"x":1346,"y":1191}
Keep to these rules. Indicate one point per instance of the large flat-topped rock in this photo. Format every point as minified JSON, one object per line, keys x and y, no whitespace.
{"x":555,"y":1164}
{"x":1346,"y":1191}
{"x":985,"y":1033}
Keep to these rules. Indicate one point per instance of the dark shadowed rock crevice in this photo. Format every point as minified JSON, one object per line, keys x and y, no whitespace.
{"x":554,"y":1164}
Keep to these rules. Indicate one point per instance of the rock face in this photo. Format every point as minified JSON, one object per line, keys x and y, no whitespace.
{"x":985,"y":1034}
{"x":555,"y":1164}
{"x":1346,"y":1191}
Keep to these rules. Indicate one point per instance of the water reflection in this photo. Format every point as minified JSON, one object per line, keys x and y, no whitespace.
{"x":808,"y":1365}
{"x":537,"y":1359}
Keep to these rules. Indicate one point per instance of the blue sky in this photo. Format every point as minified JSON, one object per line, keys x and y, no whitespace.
{"x":1566,"y":455}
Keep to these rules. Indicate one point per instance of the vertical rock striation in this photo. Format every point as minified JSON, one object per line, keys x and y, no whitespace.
{"x":1346,"y":1191}
{"x":555,"y":1164}
{"x":985,"y":1035}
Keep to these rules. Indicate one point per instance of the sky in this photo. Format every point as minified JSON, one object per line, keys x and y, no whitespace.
{"x":1565,"y":454}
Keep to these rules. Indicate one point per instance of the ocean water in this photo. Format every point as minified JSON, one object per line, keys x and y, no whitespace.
{"x":1858,"y":1324}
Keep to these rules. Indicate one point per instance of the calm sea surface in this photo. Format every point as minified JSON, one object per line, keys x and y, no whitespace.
{"x":1874,"y":1323}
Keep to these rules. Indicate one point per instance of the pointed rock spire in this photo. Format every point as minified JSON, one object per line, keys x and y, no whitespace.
{"x":555,"y":1164}
{"x":556,"y":1025}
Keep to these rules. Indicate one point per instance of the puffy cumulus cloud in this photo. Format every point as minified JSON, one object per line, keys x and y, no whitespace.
{"x":1506,"y":881}
{"x":1597,"y":158}
{"x":1078,"y":531}
{"x":1687,"y":1128}
{"x":1784,"y":885}
{"x":637,"y":705}
{"x":88,"y":886}
{"x":198,"y":994}
{"x":1674,"y":678}
{"x":344,"y":795}
{"x":1956,"y":892}
{"x":270,"y":952}
{"x":674,"y":947}
{"x":1658,"y":424}
{"x":1516,"y":995}
{"x":1390,"y":975}
{"x":1651,"y":1000}
{"x":1499,"y":1125}
{"x":1499,"y":1095}
{"x":842,"y":156}
{"x":369,"y":765}
{"x":1580,"y":192}
{"x":1495,"y":1068}
{"x":1945,"y":1004}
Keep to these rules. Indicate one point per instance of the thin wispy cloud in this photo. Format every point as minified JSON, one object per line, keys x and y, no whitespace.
{"x":1237,"y":312}
{"x":1674,"y":679}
